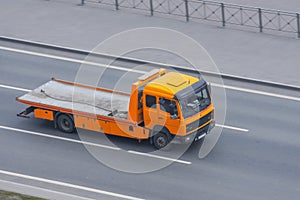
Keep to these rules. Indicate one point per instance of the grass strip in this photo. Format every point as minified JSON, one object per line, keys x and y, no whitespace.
{"x":5,"y":195}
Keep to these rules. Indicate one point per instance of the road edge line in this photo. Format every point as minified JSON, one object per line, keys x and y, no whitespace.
{"x":54,"y":182}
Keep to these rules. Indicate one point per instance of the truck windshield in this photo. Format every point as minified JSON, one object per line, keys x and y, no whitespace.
{"x":195,"y":102}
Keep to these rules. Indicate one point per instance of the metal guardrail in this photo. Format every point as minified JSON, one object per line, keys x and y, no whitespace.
{"x":223,"y":13}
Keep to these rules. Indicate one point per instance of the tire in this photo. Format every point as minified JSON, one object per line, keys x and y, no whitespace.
{"x":65,"y":123}
{"x":160,"y":140}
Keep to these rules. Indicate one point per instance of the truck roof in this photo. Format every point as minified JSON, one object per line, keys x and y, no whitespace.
{"x":171,"y":83}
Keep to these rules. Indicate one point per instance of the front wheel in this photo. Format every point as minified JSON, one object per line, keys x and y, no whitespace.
{"x":160,"y":140}
{"x":65,"y":123}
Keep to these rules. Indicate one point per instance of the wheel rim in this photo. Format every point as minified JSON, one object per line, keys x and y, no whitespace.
{"x":66,"y":124}
{"x":161,"y":141}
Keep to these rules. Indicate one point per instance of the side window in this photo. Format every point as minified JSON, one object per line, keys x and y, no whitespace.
{"x":140,"y":94}
{"x":150,"y":101}
{"x":168,"y":106}
{"x":204,"y":94}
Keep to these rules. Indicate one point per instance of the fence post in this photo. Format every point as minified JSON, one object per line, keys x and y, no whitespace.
{"x":151,"y":7}
{"x":187,"y":10}
{"x":260,"y":20}
{"x":298,"y":24}
{"x":117,"y":4}
{"x":223,"y":14}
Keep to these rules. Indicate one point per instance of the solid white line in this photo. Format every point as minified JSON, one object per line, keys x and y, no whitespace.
{"x":14,"y":187}
{"x":224,"y":126}
{"x":82,"y":142}
{"x":160,"y":157}
{"x":137,"y":71}
{"x":69,"y":185}
{"x":147,"y":61}
{"x":58,"y":138}
{"x":14,"y":88}
{"x":233,"y":128}
{"x":257,"y":92}
{"x":213,"y":84}
{"x":71,"y":60}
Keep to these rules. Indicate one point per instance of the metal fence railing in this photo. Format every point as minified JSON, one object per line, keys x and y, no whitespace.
{"x":223,"y":13}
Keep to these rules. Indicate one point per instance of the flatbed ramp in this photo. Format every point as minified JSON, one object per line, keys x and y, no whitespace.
{"x":77,"y":97}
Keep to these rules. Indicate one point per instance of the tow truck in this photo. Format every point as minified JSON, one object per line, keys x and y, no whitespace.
{"x":162,"y":107}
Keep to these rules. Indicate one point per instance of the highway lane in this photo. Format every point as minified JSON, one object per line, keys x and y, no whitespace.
{"x":260,"y":164}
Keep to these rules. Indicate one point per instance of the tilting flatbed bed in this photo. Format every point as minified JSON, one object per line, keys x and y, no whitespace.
{"x":63,"y":95}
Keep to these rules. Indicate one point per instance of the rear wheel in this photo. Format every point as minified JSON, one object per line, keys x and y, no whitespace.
{"x":65,"y":123}
{"x":160,"y":140}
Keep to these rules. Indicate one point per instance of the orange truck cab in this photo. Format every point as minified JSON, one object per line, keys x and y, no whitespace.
{"x":163,"y":107}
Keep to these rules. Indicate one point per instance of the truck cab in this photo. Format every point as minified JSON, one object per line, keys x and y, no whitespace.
{"x":175,"y":107}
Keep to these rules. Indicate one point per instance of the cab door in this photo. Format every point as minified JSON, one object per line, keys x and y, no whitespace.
{"x":168,"y":115}
{"x":150,"y":111}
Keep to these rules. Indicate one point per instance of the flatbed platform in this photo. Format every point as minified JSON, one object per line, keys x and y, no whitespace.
{"x":82,"y":98}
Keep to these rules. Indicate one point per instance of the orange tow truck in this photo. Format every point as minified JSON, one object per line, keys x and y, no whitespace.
{"x":164,"y":107}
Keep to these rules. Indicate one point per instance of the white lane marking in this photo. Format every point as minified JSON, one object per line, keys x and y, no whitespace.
{"x":58,"y":138}
{"x":71,"y":60}
{"x":69,"y":185}
{"x":160,"y":157}
{"x":257,"y":92}
{"x":224,"y":126}
{"x":15,"y":187}
{"x":232,"y":128}
{"x":147,"y":61}
{"x":213,"y":84}
{"x":142,"y":72}
{"x":82,"y":142}
{"x":27,"y":90}
{"x":14,"y":88}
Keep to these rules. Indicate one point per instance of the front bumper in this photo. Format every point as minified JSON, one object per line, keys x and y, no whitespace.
{"x":197,"y":135}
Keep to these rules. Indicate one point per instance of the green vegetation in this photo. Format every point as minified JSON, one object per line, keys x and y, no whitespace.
{"x":4,"y":195}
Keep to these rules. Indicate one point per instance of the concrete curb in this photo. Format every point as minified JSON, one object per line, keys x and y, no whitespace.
{"x":141,"y":62}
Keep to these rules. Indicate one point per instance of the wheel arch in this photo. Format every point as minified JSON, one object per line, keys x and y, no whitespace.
{"x":159,"y":128}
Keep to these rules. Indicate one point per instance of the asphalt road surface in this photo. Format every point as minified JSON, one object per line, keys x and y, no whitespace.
{"x":258,"y":161}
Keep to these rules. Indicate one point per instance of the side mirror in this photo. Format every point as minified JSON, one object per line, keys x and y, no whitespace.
{"x":209,"y":87}
{"x":173,"y":111}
